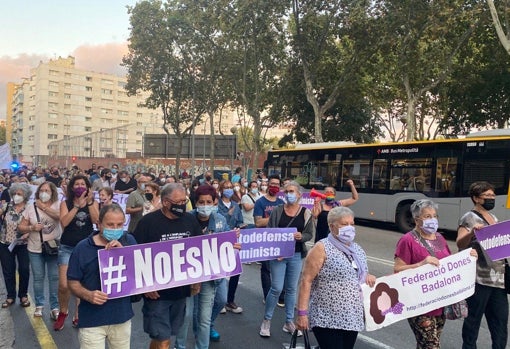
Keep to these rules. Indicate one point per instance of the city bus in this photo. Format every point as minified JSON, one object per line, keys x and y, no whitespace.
{"x":391,"y":176}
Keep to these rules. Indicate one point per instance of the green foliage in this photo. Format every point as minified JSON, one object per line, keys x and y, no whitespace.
{"x":2,"y":135}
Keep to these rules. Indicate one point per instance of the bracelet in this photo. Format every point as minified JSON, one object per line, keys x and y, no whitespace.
{"x":92,"y":203}
{"x":302,"y":312}
{"x":76,"y":207}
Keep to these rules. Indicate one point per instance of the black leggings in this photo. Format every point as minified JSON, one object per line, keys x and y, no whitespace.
{"x":330,"y":338}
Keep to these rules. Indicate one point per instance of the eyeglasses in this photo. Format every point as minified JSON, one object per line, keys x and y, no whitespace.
{"x":488,"y":196}
{"x":182,"y":202}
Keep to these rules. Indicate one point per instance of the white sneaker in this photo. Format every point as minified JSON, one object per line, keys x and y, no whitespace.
{"x":234,"y":308}
{"x":289,"y":327}
{"x":38,"y":311}
{"x":265,"y":328}
{"x":223,"y":310}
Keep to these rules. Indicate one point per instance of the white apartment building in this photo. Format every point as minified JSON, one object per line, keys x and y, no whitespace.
{"x":62,"y":111}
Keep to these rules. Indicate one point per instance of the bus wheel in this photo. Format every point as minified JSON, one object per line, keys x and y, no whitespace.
{"x":404,"y":219}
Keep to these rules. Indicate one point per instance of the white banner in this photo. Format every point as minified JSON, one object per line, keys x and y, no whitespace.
{"x":418,"y":291}
{"x":5,"y":156}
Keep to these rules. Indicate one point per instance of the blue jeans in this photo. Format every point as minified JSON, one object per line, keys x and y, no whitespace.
{"x":493,"y":302}
{"x":285,"y":272}
{"x":8,"y":260}
{"x":39,"y":263}
{"x":220,"y":299}
{"x":198,"y":308}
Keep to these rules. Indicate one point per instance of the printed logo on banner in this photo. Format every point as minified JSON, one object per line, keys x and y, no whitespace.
{"x":262,"y":244}
{"x":495,"y":240}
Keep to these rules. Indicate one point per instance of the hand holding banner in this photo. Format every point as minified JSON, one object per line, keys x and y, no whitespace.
{"x":413,"y":292}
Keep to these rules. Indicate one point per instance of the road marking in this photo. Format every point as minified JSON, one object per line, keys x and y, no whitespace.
{"x":374,"y":342}
{"x":380,"y":261}
{"x":41,"y":331}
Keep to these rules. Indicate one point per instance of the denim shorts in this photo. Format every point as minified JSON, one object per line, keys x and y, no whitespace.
{"x":64,"y":253}
{"x":163,"y":318}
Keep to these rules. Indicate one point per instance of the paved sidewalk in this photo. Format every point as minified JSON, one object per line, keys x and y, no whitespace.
{"x":6,"y":324}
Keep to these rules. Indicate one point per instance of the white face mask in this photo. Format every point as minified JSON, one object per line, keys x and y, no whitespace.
{"x":45,"y":197}
{"x":18,"y":199}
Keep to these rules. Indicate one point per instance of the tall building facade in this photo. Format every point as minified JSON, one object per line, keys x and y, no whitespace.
{"x":64,"y":112}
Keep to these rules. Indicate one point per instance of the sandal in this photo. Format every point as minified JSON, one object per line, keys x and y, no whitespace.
{"x":8,"y":302}
{"x":38,"y":312}
{"x":75,"y":322}
{"x":24,"y":302}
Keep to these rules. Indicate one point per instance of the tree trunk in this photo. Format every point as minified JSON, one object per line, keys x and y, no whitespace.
{"x":212,"y":142}
{"x":499,"y":28}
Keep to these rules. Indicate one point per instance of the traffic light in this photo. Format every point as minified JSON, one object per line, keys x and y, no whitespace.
{"x":74,"y":158}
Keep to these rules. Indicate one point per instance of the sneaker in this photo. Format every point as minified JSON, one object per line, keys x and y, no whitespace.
{"x":265,"y":328}
{"x":234,"y":308}
{"x":54,"y":314}
{"x":59,"y":324}
{"x":38,"y":311}
{"x":214,"y":335}
{"x":289,"y":327}
{"x":281,"y":304}
{"x":223,"y":310}
{"x":75,"y":322}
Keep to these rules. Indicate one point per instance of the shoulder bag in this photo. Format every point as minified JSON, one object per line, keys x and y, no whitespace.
{"x":293,"y":341}
{"x":50,"y":247}
{"x":453,"y":311}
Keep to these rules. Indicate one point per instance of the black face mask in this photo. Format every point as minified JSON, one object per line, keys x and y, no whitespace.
{"x":208,"y":178}
{"x":489,"y":204}
{"x":149,"y":196}
{"x":178,"y":210}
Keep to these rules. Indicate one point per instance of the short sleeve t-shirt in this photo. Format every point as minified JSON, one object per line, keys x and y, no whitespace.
{"x":264,"y":207}
{"x":411,"y":250}
{"x":155,"y":227}
{"x":84,"y":267}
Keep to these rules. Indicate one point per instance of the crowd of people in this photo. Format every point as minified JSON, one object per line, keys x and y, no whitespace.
{"x":322,"y":285}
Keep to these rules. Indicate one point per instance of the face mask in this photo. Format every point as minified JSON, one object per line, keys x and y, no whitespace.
{"x":237,"y":188}
{"x":263,"y":187}
{"x":329,"y":201}
{"x":45,"y":197}
{"x":108,"y":176}
{"x":273,"y":190}
{"x":113,"y":234}
{"x":208,"y":178}
{"x":178,"y":210}
{"x":215,"y":185}
{"x":346,"y":234}
{"x":18,"y":199}
{"x":33,"y":178}
{"x":228,"y":193}
{"x":206,"y":210}
{"x":149,"y":196}
{"x":489,"y":204}
{"x":142,"y":186}
{"x":114,"y":170}
{"x":430,"y":225}
{"x":245,"y":184}
{"x":124,"y":179}
{"x":291,"y":198}
{"x":254,"y":191}
{"x":55,"y":173}
{"x":79,"y":191}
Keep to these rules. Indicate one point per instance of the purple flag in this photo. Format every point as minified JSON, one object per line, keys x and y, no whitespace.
{"x":495,"y":240}
{"x":262,"y":244}
{"x":160,"y":265}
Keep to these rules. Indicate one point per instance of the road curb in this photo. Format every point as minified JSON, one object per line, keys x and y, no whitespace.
{"x":6,"y":323}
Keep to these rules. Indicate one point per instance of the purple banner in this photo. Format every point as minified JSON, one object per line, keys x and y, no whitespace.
{"x":159,"y":265}
{"x":306,"y":200}
{"x":262,"y":244}
{"x":495,"y":240}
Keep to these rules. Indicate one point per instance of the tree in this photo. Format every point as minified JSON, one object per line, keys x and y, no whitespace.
{"x":254,"y":39}
{"x":421,"y":42}
{"x":160,"y":61}
{"x":332,"y":39}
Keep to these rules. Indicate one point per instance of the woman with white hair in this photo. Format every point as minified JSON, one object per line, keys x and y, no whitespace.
{"x":13,"y":245}
{"x":329,"y":295}
{"x":286,"y":271}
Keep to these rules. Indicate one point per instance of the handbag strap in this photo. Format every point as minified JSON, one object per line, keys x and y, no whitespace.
{"x":297,"y":214}
{"x":481,"y":216}
{"x":293,"y":339}
{"x":38,"y":220}
{"x":424,"y":243}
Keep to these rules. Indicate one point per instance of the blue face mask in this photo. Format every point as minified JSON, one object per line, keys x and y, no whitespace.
{"x":291,"y":198}
{"x":112,"y":234}
{"x":254,"y":191}
{"x":206,"y":210}
{"x":228,"y":193}
{"x":114,"y":170}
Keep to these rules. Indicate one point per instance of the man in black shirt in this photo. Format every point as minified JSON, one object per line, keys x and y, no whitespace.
{"x":125,"y":184}
{"x":54,"y":177}
{"x":164,"y":310}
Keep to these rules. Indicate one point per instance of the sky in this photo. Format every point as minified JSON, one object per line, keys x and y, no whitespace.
{"x":95,"y":32}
